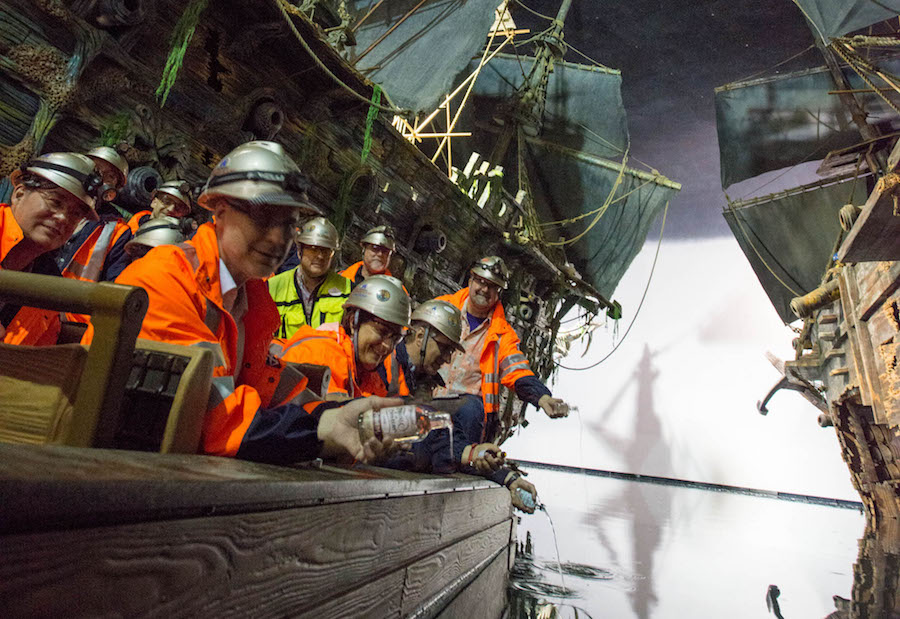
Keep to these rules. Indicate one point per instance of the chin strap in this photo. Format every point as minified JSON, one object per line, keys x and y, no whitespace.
{"x":355,"y":339}
{"x":424,"y":346}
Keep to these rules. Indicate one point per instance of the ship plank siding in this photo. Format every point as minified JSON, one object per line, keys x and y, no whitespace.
{"x":406,"y":590}
{"x":428,"y":576}
{"x":478,"y":598}
{"x":871,"y":302}
{"x":260,"y":564}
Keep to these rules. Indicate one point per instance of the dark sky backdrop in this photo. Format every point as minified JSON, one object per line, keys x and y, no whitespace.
{"x":672,"y":55}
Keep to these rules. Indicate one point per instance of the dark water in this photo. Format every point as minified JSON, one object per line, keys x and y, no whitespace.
{"x":630,"y":549}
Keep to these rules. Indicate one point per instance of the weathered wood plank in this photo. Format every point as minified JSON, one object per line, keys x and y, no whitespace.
{"x":407,"y":590}
{"x":427,"y":577}
{"x":64,"y":487}
{"x":484,"y":597}
{"x":272,"y":563}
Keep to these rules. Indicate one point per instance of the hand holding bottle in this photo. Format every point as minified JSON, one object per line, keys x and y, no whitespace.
{"x":521,"y":490}
{"x":338,"y":430}
{"x":486,"y":458}
{"x":554,"y":407}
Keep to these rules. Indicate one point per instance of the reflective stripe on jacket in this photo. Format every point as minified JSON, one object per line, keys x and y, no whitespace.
{"x":27,"y":326}
{"x":328,"y":305}
{"x":99,"y":241}
{"x":501,"y":360}
{"x":334,"y":349}
{"x":186,"y":308}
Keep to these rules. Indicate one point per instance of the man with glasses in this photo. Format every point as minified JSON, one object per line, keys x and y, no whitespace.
{"x":377,"y":245}
{"x":51,"y":195}
{"x":490,"y":355}
{"x":311,"y":294}
{"x":435,"y":334}
{"x":360,"y":353}
{"x":209,"y":292}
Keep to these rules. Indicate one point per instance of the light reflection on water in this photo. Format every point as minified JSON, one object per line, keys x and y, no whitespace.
{"x":630,"y":549}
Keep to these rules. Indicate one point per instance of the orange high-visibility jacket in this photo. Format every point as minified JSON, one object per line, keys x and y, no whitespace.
{"x":334,"y":349}
{"x":354,"y":273}
{"x":186,"y":308}
{"x":28,"y":326}
{"x":137,"y":219}
{"x":501,"y":360}
{"x":89,"y":261}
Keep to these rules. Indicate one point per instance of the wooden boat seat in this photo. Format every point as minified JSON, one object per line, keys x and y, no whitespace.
{"x":162,"y":410}
{"x":38,"y":386}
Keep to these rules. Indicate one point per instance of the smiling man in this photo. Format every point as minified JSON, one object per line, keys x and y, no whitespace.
{"x":51,"y":194}
{"x":491,"y":355}
{"x":311,"y":294}
{"x":209,"y":293}
{"x":360,"y":353}
{"x":378,"y":245}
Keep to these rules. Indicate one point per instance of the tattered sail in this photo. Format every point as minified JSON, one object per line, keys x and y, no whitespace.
{"x":834,"y":18}
{"x":417,"y":61}
{"x":777,"y":122}
{"x":568,"y":183}
{"x":788,"y":238}
{"x":584,"y":109}
{"x":574,"y":165}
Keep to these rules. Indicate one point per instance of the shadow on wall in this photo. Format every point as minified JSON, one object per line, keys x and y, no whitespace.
{"x":645,"y":521}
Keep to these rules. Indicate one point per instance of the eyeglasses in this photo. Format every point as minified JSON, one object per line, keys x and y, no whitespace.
{"x":485,"y":283}
{"x":267,"y":215}
{"x":445,"y":349}
{"x":377,"y":249}
{"x":387,"y":333}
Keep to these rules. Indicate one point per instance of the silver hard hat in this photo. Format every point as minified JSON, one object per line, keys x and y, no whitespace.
{"x":259,"y":172}
{"x":443,"y":316}
{"x":493,"y":269}
{"x":382,"y":236}
{"x":383,"y":297}
{"x":318,"y":232}
{"x":72,"y":172}
{"x":180,"y":190}
{"x":108,"y":158}
{"x":153,"y":233}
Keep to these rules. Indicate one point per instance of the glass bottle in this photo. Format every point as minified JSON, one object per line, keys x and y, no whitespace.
{"x":405,"y":424}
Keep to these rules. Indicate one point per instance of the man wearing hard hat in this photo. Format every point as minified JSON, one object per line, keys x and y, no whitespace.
{"x":378,"y":244}
{"x":209,"y":292}
{"x":491,"y":355}
{"x":360,"y":353}
{"x":311,"y":294}
{"x":51,"y":194}
{"x":97,"y":244}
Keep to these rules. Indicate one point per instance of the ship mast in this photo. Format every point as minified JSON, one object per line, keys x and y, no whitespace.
{"x":527,"y":111}
{"x":877,"y":163}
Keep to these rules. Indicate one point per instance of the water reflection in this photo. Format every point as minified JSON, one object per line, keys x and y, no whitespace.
{"x":645,"y":450}
{"x":876,"y":579}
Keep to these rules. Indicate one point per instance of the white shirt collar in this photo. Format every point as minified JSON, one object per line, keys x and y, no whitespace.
{"x":226,"y":281}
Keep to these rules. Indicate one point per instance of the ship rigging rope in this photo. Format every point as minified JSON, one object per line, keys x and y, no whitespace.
{"x":562,"y":222}
{"x":287,"y":9}
{"x":774,"y":66}
{"x":863,"y":68}
{"x":599,"y":212}
{"x":756,"y":251}
{"x":533,"y":12}
{"x":640,"y":305}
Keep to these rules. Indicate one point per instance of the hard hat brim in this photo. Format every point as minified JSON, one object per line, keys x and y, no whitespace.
{"x":15,"y":179}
